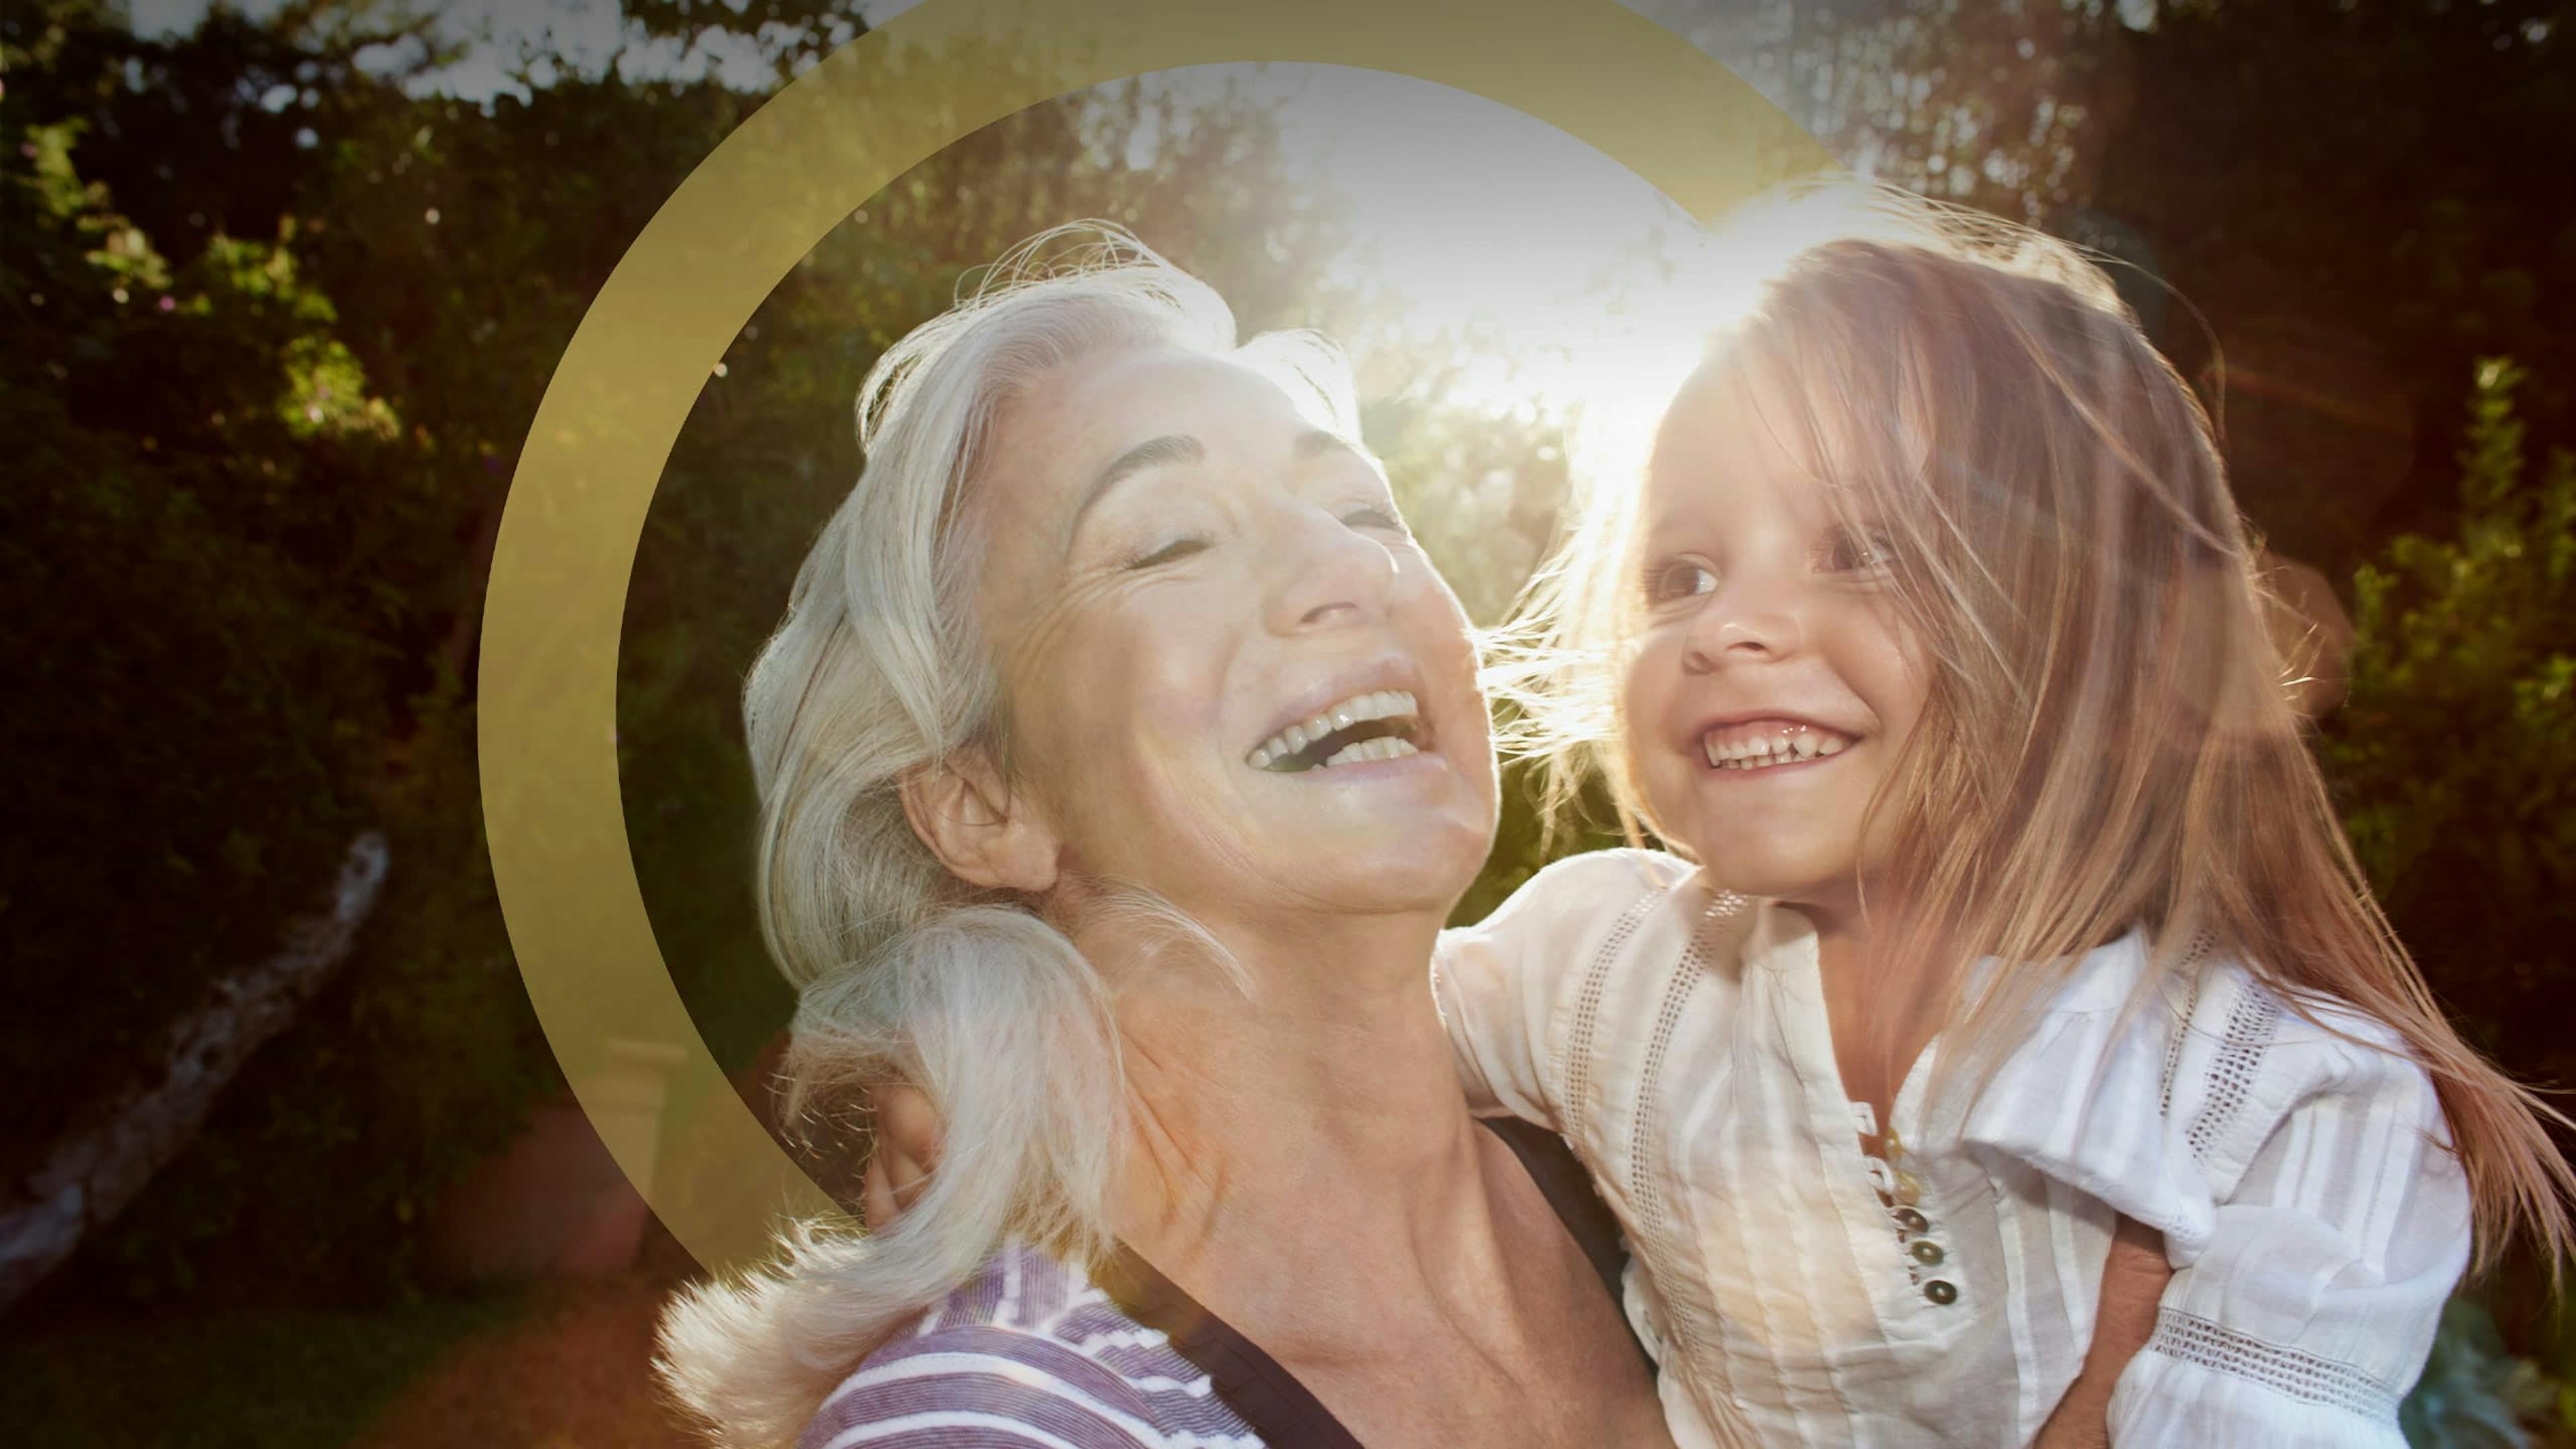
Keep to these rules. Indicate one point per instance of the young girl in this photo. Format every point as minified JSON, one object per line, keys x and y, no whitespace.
{"x":2007,"y":901}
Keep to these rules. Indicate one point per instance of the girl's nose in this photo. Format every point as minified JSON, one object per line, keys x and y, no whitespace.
{"x":1744,"y":622}
{"x":1328,"y":574}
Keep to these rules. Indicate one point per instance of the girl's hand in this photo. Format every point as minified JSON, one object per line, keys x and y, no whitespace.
{"x":907,"y":1148}
{"x":2133,"y":1286}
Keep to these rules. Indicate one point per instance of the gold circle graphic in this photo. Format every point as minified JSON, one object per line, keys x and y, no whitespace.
{"x":808,"y":158}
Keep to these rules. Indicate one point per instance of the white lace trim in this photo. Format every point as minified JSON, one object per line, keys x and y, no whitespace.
{"x":2188,"y":1338}
{"x":1574,"y":1067}
{"x":2250,"y":1025}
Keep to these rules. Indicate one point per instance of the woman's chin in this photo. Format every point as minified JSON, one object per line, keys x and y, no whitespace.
{"x":1424,"y":867}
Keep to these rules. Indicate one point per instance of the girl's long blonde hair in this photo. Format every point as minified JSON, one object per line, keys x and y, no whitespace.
{"x":2108,"y":740}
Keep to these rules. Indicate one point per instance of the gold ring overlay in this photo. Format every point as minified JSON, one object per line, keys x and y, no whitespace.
{"x":802,"y":163}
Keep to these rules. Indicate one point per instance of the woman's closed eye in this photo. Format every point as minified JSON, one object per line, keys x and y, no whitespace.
{"x":1376,"y":515}
{"x":1169,"y":551}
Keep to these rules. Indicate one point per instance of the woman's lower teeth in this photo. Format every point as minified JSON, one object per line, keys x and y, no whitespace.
{"x":1384,"y":747}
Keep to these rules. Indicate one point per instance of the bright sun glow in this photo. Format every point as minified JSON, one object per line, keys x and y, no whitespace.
{"x":1554,"y":279}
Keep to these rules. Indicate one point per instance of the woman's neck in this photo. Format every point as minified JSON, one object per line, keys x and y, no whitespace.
{"x":1322,"y":1108}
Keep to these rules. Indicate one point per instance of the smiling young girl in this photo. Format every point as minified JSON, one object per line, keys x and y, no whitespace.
{"x":2007,"y":901}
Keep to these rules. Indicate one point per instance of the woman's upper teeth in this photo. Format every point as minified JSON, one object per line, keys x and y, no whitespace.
{"x":1378,"y":704}
{"x":1740,"y":747}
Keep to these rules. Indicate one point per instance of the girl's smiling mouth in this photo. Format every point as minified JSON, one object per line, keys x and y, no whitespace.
{"x":1770,"y":743}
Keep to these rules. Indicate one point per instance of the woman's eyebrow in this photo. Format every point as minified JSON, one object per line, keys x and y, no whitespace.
{"x":1151,"y":453}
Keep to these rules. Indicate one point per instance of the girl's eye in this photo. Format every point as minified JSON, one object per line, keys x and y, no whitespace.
{"x":1679,"y":578}
{"x":1849,"y":552}
{"x":1173,"y":552}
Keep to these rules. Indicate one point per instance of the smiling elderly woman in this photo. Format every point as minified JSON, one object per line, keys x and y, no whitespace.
{"x":1120,"y":758}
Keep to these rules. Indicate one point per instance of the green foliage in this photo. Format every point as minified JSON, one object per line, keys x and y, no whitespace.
{"x":2473,"y":1394}
{"x":2454,"y":757}
{"x":238,"y":1379}
{"x":176,"y":667}
{"x":2455,"y":751}
{"x":262,"y":436}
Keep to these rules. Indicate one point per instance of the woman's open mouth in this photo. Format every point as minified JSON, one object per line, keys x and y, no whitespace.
{"x":1769,"y":744}
{"x":1381,"y":725}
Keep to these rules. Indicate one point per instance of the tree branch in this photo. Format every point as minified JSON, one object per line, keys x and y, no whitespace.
{"x":95,"y":1170}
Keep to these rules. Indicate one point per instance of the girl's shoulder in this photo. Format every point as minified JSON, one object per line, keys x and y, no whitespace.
{"x":2157,"y":1094}
{"x":1029,"y":1351}
{"x":2248,"y":1055}
{"x":2219,"y":1023}
{"x":1595,"y":885}
{"x":1567,"y":914}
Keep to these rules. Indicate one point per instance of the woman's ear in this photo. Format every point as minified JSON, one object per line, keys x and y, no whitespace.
{"x":985,"y":832}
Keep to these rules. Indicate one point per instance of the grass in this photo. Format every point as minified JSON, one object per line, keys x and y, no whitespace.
{"x":266,"y":1379}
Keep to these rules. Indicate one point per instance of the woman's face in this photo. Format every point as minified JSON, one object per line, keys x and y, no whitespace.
{"x":1231,"y":675}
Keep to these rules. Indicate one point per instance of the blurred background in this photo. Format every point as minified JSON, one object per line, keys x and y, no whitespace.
{"x":287,"y":1161}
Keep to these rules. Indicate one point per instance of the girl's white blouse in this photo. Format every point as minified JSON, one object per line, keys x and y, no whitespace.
{"x":2314,"y":1215}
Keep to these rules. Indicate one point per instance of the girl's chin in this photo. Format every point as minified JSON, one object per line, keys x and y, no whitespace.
{"x":1784,"y":881}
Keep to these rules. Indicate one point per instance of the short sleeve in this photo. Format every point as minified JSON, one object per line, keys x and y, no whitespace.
{"x":1502,"y":983}
{"x":2341,"y":1230}
{"x":981,"y":1386}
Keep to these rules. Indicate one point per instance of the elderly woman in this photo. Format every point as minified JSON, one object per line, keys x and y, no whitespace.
{"x":1120,"y":757}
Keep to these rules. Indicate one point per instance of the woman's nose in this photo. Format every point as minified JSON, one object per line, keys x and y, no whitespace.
{"x":1328,"y":573}
{"x":1745,"y":621}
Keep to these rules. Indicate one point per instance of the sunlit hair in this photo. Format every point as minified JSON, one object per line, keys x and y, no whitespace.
{"x":2108,"y":740}
{"x":903,"y":971}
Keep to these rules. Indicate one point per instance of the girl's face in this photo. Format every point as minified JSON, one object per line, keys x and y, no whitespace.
{"x":1770,"y":682}
{"x":1233,"y":676}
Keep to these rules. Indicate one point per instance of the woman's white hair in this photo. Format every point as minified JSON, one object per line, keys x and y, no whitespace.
{"x":903,"y":971}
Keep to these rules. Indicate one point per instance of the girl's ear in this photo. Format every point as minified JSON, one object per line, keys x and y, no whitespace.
{"x":985,"y":832}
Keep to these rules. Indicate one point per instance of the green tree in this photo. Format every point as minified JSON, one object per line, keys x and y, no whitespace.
{"x":2455,"y":750}
{"x":248,"y":528}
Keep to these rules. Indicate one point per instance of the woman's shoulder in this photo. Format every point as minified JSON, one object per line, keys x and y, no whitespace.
{"x":1029,"y":1351}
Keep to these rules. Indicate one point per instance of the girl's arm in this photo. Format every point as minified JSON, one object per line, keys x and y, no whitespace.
{"x":2341,"y":1228}
{"x":2134,"y":1276}
{"x":1501,"y":983}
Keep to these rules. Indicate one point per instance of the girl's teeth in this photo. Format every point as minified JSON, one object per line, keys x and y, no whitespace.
{"x":1765,"y":751}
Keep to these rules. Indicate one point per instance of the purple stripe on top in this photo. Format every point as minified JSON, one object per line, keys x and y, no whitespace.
{"x":1030,"y":1351}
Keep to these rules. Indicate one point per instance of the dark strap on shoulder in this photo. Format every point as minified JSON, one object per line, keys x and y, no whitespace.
{"x":1263,"y":1394}
{"x":1562,"y":1180}
{"x":1268,"y":1398}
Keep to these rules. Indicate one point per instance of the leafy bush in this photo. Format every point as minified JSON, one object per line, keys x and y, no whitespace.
{"x":2454,"y":757}
{"x":2455,"y":752}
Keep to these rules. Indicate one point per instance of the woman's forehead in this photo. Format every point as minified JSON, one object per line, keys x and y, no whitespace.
{"x":1098,"y":406}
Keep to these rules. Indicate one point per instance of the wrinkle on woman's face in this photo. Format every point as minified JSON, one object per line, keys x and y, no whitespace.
{"x":1176,"y":558}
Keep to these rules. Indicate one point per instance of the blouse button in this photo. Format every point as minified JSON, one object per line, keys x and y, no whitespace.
{"x":1927,"y":1252}
{"x":1910,"y":1220}
{"x":1940,"y":1292}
